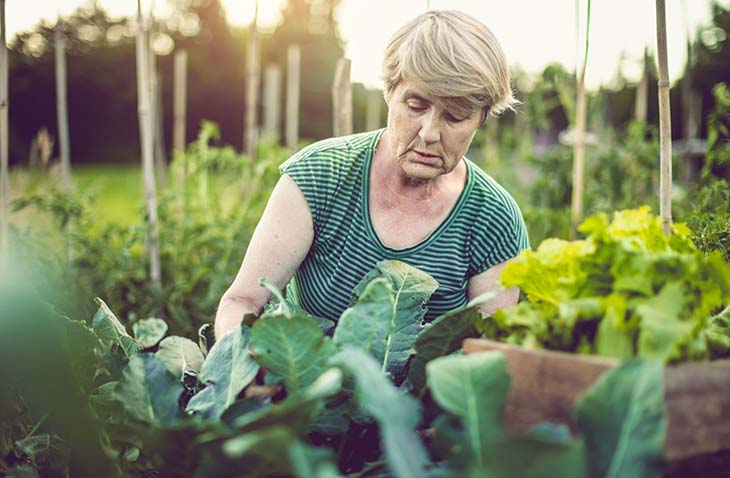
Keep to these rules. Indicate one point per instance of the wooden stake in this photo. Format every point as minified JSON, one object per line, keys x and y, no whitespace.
{"x":293,"y":72}
{"x":146,"y":138}
{"x":272,"y":102}
{"x":372,"y":115}
{"x":159,"y":131}
{"x":180,"y":104}
{"x":62,"y":106}
{"x":4,"y":181}
{"x":665,"y":124}
{"x":642,"y":91}
{"x":579,"y":147}
{"x":342,"y":99}
{"x":252,"y":89}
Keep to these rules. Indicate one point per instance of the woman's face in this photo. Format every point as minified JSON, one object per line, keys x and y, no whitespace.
{"x":426,"y":140}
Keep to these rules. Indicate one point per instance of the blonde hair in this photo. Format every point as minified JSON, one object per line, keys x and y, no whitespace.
{"x":454,"y":57}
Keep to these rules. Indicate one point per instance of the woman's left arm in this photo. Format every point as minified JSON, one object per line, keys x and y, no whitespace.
{"x":488,"y":281}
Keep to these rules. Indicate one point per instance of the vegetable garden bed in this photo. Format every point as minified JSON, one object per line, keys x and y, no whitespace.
{"x":546,"y":386}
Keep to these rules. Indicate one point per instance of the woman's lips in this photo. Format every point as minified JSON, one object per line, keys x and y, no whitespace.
{"x":426,"y":158}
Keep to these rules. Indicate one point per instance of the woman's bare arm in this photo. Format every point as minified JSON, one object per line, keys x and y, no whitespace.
{"x":279,"y":244}
{"x":488,"y":281}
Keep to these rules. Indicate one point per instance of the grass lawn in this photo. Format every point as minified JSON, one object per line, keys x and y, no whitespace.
{"x":116,"y":188}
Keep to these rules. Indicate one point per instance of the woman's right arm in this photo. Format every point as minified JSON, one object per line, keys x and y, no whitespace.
{"x":279,"y":244}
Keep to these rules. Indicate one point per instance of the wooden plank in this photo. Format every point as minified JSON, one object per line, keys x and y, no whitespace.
{"x":546,"y":385}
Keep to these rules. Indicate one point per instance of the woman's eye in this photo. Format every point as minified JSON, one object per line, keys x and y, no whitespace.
{"x":453,"y":119}
{"x":416,"y":106}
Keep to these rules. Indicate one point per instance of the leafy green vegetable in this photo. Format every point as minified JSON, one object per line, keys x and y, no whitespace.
{"x":397,"y":414}
{"x":148,"y":391}
{"x":149,"y":332}
{"x":387,"y":314}
{"x":179,"y":355}
{"x":622,"y":420}
{"x":474,"y":388}
{"x":292,"y":349}
{"x":110,"y":330}
{"x":627,"y":289}
{"x":227,"y":369}
{"x":443,"y":336}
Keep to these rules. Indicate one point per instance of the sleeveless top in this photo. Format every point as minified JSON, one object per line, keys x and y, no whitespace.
{"x":484,"y":228}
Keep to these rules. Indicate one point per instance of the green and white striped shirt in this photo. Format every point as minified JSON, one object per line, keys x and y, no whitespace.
{"x":484,"y":228}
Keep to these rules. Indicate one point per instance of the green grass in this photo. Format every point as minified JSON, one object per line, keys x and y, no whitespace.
{"x":116,"y":188}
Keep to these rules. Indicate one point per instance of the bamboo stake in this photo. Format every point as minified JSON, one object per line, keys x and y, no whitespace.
{"x":580,"y":127}
{"x":180,"y":108}
{"x":272,"y":101}
{"x":642,"y":91}
{"x":146,"y":136}
{"x":180,"y":114}
{"x":62,"y":106}
{"x":4,"y":181}
{"x":665,"y":125}
{"x":372,"y":116}
{"x":293,"y":73}
{"x":159,"y":131}
{"x":342,"y":99}
{"x":252,"y":87}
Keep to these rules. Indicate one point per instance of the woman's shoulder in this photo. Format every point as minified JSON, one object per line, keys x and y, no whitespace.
{"x":487,"y":193}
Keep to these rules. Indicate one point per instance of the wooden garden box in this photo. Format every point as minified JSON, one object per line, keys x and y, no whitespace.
{"x":546,"y":385}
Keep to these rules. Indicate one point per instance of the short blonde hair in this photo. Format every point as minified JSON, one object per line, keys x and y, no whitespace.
{"x":453,"y":57}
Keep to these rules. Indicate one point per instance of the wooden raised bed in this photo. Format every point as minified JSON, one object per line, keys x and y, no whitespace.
{"x":546,"y":386}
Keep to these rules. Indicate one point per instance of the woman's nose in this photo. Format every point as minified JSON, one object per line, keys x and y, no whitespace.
{"x":430,"y":128}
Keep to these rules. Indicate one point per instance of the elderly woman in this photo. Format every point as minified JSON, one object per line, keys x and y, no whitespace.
{"x":405,"y":192}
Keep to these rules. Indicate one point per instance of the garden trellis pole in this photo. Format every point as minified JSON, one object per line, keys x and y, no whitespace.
{"x":579,"y":147}
{"x":252,"y":86}
{"x":642,"y":90}
{"x":665,"y":124}
{"x":146,"y":138}
{"x":372,"y":116}
{"x":342,"y":99}
{"x":293,"y":73}
{"x":180,"y":118}
{"x":4,"y":181}
{"x":272,"y":102}
{"x":62,"y":105}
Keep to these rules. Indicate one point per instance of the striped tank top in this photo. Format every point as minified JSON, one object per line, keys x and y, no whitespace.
{"x":484,"y":228}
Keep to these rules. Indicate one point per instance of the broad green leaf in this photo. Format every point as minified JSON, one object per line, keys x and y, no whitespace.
{"x":397,"y":414}
{"x":444,"y":336}
{"x":109,"y":329}
{"x":312,"y":462}
{"x":280,"y":306}
{"x":473,"y":387}
{"x":226,"y":371}
{"x":387,"y":315}
{"x":298,"y":410}
{"x":622,"y":421}
{"x":292,"y":349}
{"x":527,"y":457}
{"x":260,"y":453}
{"x":148,"y":391}
{"x":149,"y":332}
{"x":180,"y":354}
{"x":663,"y":326}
